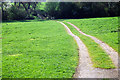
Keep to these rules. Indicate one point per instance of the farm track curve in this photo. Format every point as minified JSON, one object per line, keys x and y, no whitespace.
{"x":85,"y":68}
{"x":111,"y":52}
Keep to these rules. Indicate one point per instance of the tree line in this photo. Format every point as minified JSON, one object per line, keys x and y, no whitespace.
{"x":58,"y":10}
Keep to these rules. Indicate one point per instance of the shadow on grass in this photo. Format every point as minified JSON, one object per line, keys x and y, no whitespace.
{"x":34,"y":20}
{"x":4,"y":21}
{"x":61,"y":19}
{"x":41,"y":20}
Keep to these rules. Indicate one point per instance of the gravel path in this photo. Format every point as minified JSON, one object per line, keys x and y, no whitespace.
{"x":85,"y":69}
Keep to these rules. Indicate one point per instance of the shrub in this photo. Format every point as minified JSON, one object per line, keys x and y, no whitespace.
{"x":16,"y":13}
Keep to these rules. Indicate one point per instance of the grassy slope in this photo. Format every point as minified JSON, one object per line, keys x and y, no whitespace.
{"x":0,"y":50}
{"x":99,"y":58}
{"x":102,"y":28}
{"x":38,"y":50}
{"x":119,"y":34}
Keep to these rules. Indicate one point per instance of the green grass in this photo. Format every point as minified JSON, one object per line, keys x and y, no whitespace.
{"x":119,"y":34}
{"x":38,"y":49}
{"x":0,"y":50}
{"x":105,"y":29}
{"x":99,"y":58}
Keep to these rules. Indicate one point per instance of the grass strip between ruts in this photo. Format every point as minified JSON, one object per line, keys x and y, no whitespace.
{"x":99,"y":58}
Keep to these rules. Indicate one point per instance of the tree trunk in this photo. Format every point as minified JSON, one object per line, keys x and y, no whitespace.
{"x":26,"y":9}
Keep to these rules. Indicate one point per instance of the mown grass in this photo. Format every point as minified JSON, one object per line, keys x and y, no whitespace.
{"x":105,"y":29}
{"x":99,"y":58}
{"x":38,"y":49}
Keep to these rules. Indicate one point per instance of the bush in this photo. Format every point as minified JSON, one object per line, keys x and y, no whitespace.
{"x":4,"y":15}
{"x":16,"y":13}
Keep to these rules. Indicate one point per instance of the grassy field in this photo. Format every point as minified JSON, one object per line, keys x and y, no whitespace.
{"x":38,"y":49}
{"x":99,"y":58}
{"x":0,"y":50}
{"x":43,"y":49}
{"x":105,"y":29}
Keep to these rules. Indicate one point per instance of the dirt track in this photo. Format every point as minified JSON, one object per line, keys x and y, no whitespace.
{"x":85,"y":69}
{"x":111,"y":52}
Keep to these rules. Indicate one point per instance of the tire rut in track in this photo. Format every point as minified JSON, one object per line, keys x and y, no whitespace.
{"x":111,"y":52}
{"x":84,"y":68}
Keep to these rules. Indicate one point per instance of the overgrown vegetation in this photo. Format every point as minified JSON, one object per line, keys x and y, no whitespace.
{"x":58,"y":10}
{"x":38,"y":49}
